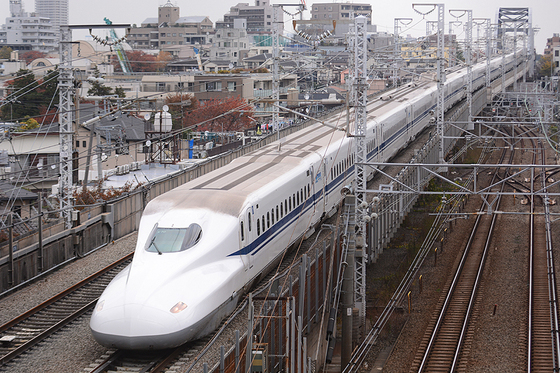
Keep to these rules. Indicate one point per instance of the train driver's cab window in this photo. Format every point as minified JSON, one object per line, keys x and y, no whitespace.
{"x":170,"y":240}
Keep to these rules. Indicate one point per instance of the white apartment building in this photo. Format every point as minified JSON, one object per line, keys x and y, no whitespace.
{"x":230,"y":44}
{"x":56,"y":10}
{"x":28,"y":31}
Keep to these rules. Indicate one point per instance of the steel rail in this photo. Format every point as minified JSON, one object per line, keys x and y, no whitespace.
{"x":454,"y":285}
{"x":56,"y":324}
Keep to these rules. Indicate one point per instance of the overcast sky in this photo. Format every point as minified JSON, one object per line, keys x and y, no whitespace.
{"x":545,"y":12}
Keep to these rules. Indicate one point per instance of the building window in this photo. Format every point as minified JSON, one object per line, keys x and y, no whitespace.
{"x":84,"y":144}
{"x":213,"y":86}
{"x":231,"y":86}
{"x":556,"y":53}
{"x":160,"y":87}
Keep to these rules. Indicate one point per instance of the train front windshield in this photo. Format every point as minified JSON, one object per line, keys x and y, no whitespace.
{"x":170,"y":240}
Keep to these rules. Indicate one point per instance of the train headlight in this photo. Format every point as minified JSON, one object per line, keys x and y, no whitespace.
{"x":178,"y":307}
{"x":100,"y":305}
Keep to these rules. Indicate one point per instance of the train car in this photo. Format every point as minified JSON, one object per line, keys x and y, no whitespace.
{"x":202,"y":245}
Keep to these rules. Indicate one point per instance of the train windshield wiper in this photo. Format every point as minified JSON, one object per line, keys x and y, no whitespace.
{"x":154,"y":244}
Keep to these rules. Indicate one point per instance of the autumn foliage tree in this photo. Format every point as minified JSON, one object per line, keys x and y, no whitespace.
{"x":180,"y":104}
{"x":228,"y":114}
{"x":30,"y":56}
{"x":144,"y":62}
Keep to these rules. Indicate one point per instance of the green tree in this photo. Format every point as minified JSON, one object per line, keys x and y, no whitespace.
{"x":29,"y":124}
{"x":23,"y":99}
{"x":48,"y":89}
{"x":544,"y":65}
{"x":119,"y":91}
{"x":97,"y":88}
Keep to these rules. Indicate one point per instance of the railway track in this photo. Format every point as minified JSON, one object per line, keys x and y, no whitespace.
{"x":145,"y":361}
{"x":32,"y":327}
{"x":543,"y":351}
{"x":443,"y":344}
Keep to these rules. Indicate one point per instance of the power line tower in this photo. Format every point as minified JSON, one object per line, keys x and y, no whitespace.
{"x":358,"y":97}
{"x":514,"y":20}
{"x":66,"y":91}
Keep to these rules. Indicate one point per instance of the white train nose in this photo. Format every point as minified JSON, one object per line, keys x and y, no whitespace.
{"x":135,"y":326}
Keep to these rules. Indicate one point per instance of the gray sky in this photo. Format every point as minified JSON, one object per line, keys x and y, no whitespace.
{"x":545,"y":12}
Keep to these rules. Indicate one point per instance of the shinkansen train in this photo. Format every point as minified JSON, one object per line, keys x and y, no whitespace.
{"x":203,"y":244}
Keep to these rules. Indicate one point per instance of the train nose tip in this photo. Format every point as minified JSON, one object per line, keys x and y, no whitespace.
{"x":134,"y":326}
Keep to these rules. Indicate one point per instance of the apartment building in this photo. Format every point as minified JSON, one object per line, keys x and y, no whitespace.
{"x":169,"y":29}
{"x":259,"y":17}
{"x":28,"y":31}
{"x":341,"y":12}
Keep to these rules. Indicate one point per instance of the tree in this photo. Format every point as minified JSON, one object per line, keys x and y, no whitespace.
{"x":5,"y":52}
{"x":30,"y":56}
{"x":29,"y":124}
{"x":139,"y":62}
{"x":163,"y":58}
{"x":544,"y":65}
{"x":229,"y":114}
{"x":119,"y":91}
{"x":97,"y":88}
{"x":180,"y":104}
{"x":22,"y":99}
{"x":48,"y":88}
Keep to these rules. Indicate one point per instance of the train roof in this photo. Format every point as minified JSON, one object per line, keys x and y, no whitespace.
{"x":226,"y":189}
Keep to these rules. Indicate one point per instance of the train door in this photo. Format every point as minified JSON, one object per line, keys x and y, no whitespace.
{"x":379,"y":136}
{"x":247,"y":234}
{"x":408,"y":122}
{"x":250,"y":229}
{"x":317,"y":190}
{"x":324,"y":183}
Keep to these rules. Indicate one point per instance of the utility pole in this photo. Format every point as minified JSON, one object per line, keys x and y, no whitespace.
{"x":275,"y":75}
{"x":66,"y":132}
{"x":359,"y":101}
{"x":348,"y":291}
{"x":440,"y":111}
{"x":397,"y":47}
{"x":66,"y":86}
{"x":468,"y":57}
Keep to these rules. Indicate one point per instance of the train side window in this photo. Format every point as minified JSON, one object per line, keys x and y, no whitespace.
{"x":272,"y":216}
{"x":258,"y":227}
{"x":285,"y":207}
{"x":290,"y":201}
{"x":301,"y":195}
{"x":294,"y":200}
{"x":267,"y":220}
{"x":281,"y":209}
{"x":249,"y":222}
{"x":242,"y":232}
{"x":297,"y":199}
{"x":277,"y":216}
{"x":308,"y":192}
{"x":264,"y":226}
